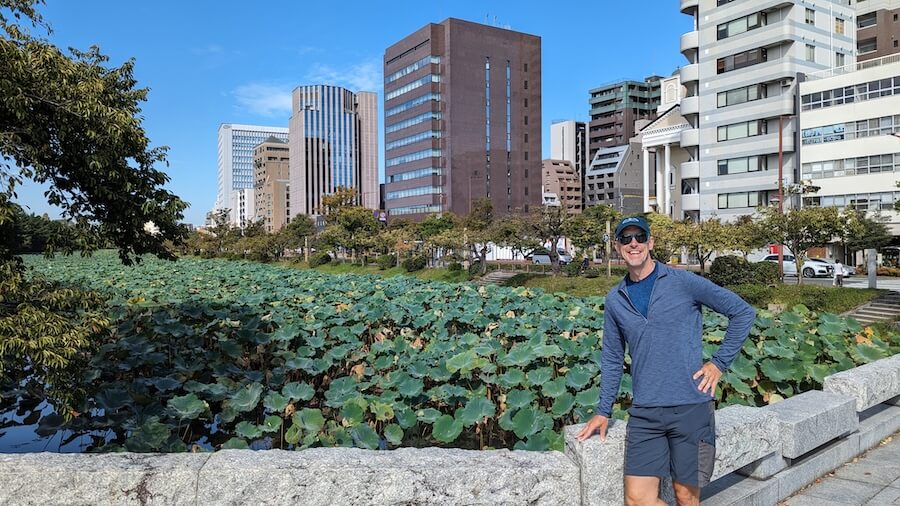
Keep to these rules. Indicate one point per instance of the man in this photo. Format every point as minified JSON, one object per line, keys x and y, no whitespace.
{"x":838,"y":273}
{"x":657,"y":311}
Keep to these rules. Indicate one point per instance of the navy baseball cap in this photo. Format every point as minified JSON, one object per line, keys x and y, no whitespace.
{"x":633,"y":221}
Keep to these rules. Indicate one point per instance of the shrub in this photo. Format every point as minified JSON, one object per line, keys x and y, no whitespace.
{"x":319,"y":259}
{"x":415,"y":263}
{"x":386,"y":261}
{"x":454,"y":267}
{"x":591,"y":273}
{"x":475,"y":269}
{"x":730,"y":270}
{"x":755,"y":295}
{"x":572,"y":269}
{"x":765,"y":273}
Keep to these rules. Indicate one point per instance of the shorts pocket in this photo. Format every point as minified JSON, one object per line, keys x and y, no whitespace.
{"x":706,"y":457}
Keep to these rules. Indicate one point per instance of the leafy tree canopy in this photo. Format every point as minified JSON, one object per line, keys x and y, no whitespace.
{"x":74,"y":122}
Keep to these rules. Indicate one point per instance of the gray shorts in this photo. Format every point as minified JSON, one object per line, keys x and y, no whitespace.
{"x":676,"y":441}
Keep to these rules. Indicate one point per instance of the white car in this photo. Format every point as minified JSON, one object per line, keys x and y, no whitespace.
{"x":542,"y":257}
{"x":848,"y":270}
{"x":810,"y":268}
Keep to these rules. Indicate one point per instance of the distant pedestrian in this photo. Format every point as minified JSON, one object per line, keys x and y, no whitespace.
{"x":585,"y":263}
{"x":838,"y":273}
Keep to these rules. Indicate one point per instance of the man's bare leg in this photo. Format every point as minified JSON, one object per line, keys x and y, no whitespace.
{"x":686,"y":495}
{"x":642,"y":491}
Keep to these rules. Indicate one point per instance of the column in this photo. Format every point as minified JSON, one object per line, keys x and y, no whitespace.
{"x":666,"y":177}
{"x":659,"y":184}
{"x":646,"y":154}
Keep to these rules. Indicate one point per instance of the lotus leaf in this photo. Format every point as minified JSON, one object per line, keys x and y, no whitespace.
{"x":563,"y":404}
{"x":554,"y":388}
{"x":271,"y":423}
{"x":188,"y":406}
{"x":276,"y":402}
{"x":235,"y":443}
{"x":519,"y":398}
{"x":246,"y":398}
{"x":446,"y":429}
{"x":525,"y":422}
{"x":539,"y":376}
{"x":428,"y":415}
{"x":393,"y":433}
{"x":475,"y":410}
{"x":298,"y":391}
{"x":248,"y":430}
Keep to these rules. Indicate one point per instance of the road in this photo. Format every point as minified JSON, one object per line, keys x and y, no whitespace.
{"x":858,"y":281}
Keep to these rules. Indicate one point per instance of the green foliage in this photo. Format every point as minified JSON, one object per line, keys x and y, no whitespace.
{"x":73,"y":122}
{"x":730,"y":270}
{"x":319,"y":259}
{"x":816,"y":298}
{"x":765,"y":273}
{"x":801,"y":229}
{"x":454,"y":267}
{"x":386,"y":261}
{"x":300,"y":358}
{"x":415,"y":263}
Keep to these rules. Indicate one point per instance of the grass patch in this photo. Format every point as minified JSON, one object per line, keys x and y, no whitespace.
{"x":816,"y":298}
{"x":430,"y":274}
{"x":581,"y":287}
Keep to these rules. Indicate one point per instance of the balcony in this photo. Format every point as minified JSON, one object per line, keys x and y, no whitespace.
{"x":690,"y":202}
{"x":690,"y":42}
{"x":690,"y":73}
{"x":689,"y":5}
{"x":690,"y":138}
{"x":690,"y":105}
{"x":690,"y":170}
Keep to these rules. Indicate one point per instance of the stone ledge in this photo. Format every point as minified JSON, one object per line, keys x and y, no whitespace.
{"x":107,"y":478}
{"x":869,"y":384}
{"x":743,"y":436}
{"x":813,"y":418}
{"x":404,"y":476}
{"x":602,"y":464}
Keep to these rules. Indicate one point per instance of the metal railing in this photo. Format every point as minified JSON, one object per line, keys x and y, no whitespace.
{"x":846,"y":69}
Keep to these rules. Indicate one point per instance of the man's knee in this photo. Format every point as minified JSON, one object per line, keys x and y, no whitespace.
{"x":687,"y":495}
{"x":641,"y":491}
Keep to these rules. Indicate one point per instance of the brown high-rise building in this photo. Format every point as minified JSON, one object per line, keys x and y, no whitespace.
{"x":562,"y":184}
{"x":614,"y":109}
{"x":462,"y":120}
{"x":877,"y":29}
{"x":272,"y":199}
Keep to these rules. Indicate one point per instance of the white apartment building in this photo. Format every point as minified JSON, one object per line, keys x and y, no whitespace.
{"x":743,"y":59}
{"x":235,"y":163}
{"x":850,"y":148}
{"x":568,"y":141}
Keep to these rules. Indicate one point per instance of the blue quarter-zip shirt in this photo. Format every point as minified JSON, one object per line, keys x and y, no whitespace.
{"x":666,"y":345}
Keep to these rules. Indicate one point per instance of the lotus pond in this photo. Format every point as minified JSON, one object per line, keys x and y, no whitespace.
{"x":210,"y":354}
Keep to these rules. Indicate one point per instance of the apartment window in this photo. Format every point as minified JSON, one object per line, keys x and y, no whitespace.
{"x":415,"y":120}
{"x":839,"y":26}
{"x":867,"y":46}
{"x":810,"y":53}
{"x":849,"y":94}
{"x":526,"y":102}
{"x":874,"y":164}
{"x":421,"y":136}
{"x":886,"y":125}
{"x":741,"y":95}
{"x":418,"y":155}
{"x":741,"y":25}
{"x":741,"y":130}
{"x":866,"y":20}
{"x":720,"y":3}
{"x":398,"y":211}
{"x":413,"y":85}
{"x":412,"y":103}
{"x":839,"y":60}
{"x":743,"y":199}
{"x":526,"y":84}
{"x":740,"y":60}
{"x":525,"y":67}
{"x":412,"y":192}
{"x":412,"y":68}
{"x":742,"y":164}
{"x":810,"y":17}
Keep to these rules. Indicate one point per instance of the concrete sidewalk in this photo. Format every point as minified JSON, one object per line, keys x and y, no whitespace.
{"x":873,"y":479}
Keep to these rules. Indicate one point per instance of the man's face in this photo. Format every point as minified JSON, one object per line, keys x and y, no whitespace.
{"x":634,"y":253}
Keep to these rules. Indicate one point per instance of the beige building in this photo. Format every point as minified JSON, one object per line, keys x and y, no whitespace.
{"x":562,"y":185}
{"x":333,"y":142}
{"x":272,"y":201}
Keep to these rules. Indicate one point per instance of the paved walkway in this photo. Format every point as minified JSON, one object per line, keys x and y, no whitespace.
{"x":858,"y":281}
{"x":871,"y":479}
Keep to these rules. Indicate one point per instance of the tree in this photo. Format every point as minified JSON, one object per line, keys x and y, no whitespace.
{"x":662,"y":228}
{"x":74,"y":122}
{"x":701,"y":239}
{"x":478,"y":230}
{"x":745,"y":235}
{"x":861,"y":231}
{"x":547,"y":225}
{"x":800,"y":229}
{"x":433,"y":225}
{"x":296,"y":233}
{"x":513,"y":231}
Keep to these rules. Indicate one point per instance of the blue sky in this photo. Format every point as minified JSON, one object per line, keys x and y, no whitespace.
{"x":210,"y":62}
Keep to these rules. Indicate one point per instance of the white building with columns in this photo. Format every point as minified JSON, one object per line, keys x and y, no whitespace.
{"x":671,"y":172}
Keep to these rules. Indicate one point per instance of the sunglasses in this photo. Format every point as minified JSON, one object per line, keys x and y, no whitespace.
{"x":625,"y":239}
